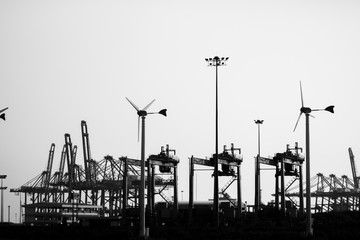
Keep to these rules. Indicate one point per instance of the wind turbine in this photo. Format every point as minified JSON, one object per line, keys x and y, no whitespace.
{"x":143,"y":113}
{"x":307,"y":111}
{"x":2,"y":116}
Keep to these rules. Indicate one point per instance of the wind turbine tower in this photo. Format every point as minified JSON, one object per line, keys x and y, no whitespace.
{"x":143,"y":113}
{"x":307,"y":111}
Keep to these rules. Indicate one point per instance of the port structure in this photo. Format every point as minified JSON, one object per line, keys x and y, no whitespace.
{"x":288,"y":163}
{"x":332,"y":193}
{"x":228,"y":160}
{"x":109,"y":186}
{"x":156,"y":182}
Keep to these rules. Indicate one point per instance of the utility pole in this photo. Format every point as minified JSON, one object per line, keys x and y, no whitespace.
{"x":2,"y":188}
{"x":216,"y":61}
{"x":257,"y":171}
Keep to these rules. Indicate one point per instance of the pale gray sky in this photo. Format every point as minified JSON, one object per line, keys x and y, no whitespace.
{"x":66,"y":61}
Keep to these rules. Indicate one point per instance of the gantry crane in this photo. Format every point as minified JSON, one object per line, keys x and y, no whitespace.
{"x":228,"y":160}
{"x":288,"y":163}
{"x":39,"y":186}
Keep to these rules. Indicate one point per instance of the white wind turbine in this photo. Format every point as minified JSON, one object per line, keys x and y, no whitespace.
{"x":307,"y":111}
{"x":143,"y":113}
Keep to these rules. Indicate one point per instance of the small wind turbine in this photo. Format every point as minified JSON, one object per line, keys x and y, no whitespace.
{"x":307,"y":111}
{"x":143,"y":113}
{"x":2,"y":116}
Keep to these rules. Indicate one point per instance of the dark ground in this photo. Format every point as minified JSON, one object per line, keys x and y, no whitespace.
{"x":327,"y":226}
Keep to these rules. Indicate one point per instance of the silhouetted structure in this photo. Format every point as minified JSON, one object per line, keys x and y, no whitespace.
{"x":143,"y":113}
{"x":228,"y":160}
{"x":112,"y":185}
{"x":2,"y":188}
{"x":257,"y":201}
{"x":288,"y":163}
{"x":307,"y":111}
{"x":216,"y":61}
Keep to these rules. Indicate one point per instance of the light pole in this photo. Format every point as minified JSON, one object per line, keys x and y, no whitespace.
{"x":257,"y":171}
{"x":2,"y":188}
{"x":216,"y":61}
{"x":307,"y":111}
{"x":143,"y":113}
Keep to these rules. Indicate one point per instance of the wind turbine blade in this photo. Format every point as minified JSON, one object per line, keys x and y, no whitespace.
{"x":137,"y":109}
{"x":3,"y":109}
{"x":297,"y":121}
{"x":138,"y":128}
{"x":149,"y":105}
{"x":302,"y":100}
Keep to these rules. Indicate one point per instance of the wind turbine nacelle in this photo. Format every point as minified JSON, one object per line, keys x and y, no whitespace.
{"x":305,"y":110}
{"x":142,"y":113}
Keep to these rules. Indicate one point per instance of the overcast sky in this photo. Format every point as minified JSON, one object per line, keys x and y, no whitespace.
{"x":66,"y":61}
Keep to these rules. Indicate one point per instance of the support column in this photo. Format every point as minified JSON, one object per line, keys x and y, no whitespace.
{"x":277,"y":187}
{"x":149,"y":192}
{"x":191,"y":188}
{"x":153,"y":188}
{"x":282,"y":187}
{"x":125,"y":187}
{"x":176,"y":205}
{"x":301,"y":191}
{"x":239,"y":199}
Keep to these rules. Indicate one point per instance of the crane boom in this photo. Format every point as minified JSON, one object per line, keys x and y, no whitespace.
{"x":49,"y":165}
{"x":70,"y":159}
{"x":62,"y":164}
{"x":89,"y":164}
{"x":353,"y":168}
{"x":86,"y":150}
